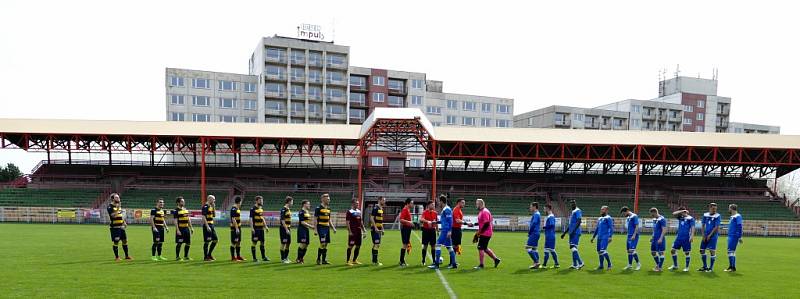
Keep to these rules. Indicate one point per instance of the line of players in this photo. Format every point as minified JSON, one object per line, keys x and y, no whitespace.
{"x":448,"y":226}
{"x":604,"y":232}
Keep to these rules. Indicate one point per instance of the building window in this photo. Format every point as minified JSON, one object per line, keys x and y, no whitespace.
{"x":701,"y":104}
{"x":275,"y":71}
{"x":298,"y":74}
{"x":469,"y":106}
{"x":314,"y":58}
{"x":618,"y":123}
{"x":249,"y":87}
{"x":176,"y":99}
{"x":377,"y":161}
{"x":687,"y":121}
{"x":314,"y":92}
{"x":530,"y":122}
{"x":275,"y":89}
{"x":378,"y":97}
{"x":417,"y":84}
{"x":452,"y":104}
{"x":250,"y":105}
{"x":335,"y":109}
{"x":200,"y":101}
{"x":275,"y":105}
{"x":227,"y":119}
{"x":358,"y":98}
{"x":437,"y":124}
{"x":335,"y":77}
{"x":396,"y":85}
{"x":486,"y":122}
{"x":396,"y":101}
{"x":250,"y":120}
{"x":416,"y":100}
{"x":335,"y":93}
{"x":226,"y":85}
{"x":699,"y":129}
{"x":276,"y":54}
{"x":503,"y":123}
{"x":467,"y":121}
{"x":635,"y":123}
{"x":298,"y":56}
{"x":577,"y":116}
{"x":201,"y":117}
{"x":201,"y":83}
{"x":335,"y":59}
{"x":358,"y":81}
{"x":298,"y":90}
{"x":176,"y":116}
{"x":357,"y":114}
{"x":314,"y":76}
{"x":688,"y":108}
{"x":298,"y":107}
{"x":415,"y":163}
{"x":227,"y":103}
{"x":176,"y":81}
{"x":433,"y":110}
{"x":378,"y":80}
{"x":636,"y":108}
{"x":486,"y":107}
{"x":700,"y":116}
{"x":451,"y":120}
{"x":504,"y":109}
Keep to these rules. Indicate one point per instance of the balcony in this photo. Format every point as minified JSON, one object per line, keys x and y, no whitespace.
{"x":315,"y":62}
{"x":331,"y":115}
{"x":315,"y":97}
{"x":336,"y":99}
{"x":398,"y":90}
{"x":314,"y":114}
{"x":358,"y":103}
{"x":650,"y":116}
{"x":606,"y":126}
{"x":355,"y":119}
{"x":275,"y":77}
{"x":298,"y":96}
{"x":317,"y":80}
{"x":336,"y":65}
{"x":722,"y":124}
{"x":275,"y":94}
{"x":354,"y":87}
{"x":298,"y":60}
{"x":336,"y":82}
{"x":278,"y":112}
{"x":562,"y":123}
{"x":298,"y":78}
{"x":662,"y":117}
{"x":275,"y":59}
{"x":591,"y":125}
{"x":676,"y":118}
{"x":724,"y":110}
{"x":298,"y":113}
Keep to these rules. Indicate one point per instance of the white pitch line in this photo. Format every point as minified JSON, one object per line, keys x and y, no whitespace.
{"x":439,"y":273}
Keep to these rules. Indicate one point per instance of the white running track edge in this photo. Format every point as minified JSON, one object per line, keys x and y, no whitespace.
{"x":439,"y":273}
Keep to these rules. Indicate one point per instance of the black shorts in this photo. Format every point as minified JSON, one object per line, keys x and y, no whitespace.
{"x":355,"y":238}
{"x":302,"y":236}
{"x":324,"y":234}
{"x":286,"y":238}
{"x":118,"y":234}
{"x":483,"y":242}
{"x":428,"y":237}
{"x":185,"y":237}
{"x":405,"y":234}
{"x":376,"y":236}
{"x":236,"y":237}
{"x":257,"y":235}
{"x":158,"y":235}
{"x":456,"y":236}
{"x":211,"y":235}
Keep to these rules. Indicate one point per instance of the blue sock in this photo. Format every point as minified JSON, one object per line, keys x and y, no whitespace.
{"x":452,"y":256}
{"x":688,"y":258}
{"x":636,"y":257}
{"x":675,"y":260}
{"x":532,"y":254}
{"x":608,"y":259}
{"x":576,"y":260}
{"x":657,"y":259}
{"x":713,"y":259}
{"x":438,"y":256}
{"x":602,"y":259}
{"x":535,"y":256}
{"x":546,"y":257}
{"x":733,"y":261}
{"x":555,"y":257}
{"x":630,"y":258}
{"x":705,"y":259}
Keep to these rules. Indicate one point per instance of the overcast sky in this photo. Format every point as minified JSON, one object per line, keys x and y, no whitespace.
{"x":106,"y":60}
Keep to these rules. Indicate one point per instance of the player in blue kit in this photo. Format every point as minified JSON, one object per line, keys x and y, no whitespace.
{"x":533,"y":234}
{"x":711,"y":222}
{"x":684,"y":238}
{"x":603,"y":232}
{"x":632,"y":238}
{"x":445,"y":235}
{"x":659,"y":240}
{"x":550,"y":237}
{"x":574,"y":231}
{"x":734,"y":236}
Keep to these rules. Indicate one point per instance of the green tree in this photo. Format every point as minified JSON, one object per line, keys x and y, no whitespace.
{"x":9,"y":173}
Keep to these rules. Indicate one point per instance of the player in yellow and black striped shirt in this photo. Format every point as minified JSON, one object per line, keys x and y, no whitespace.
{"x":183,"y":229}
{"x":118,"y":226}
{"x":286,"y":229}
{"x":209,"y":232}
{"x":323,"y":222}
{"x":259,"y":225}
{"x":377,"y":228}
{"x":159,"y":226}
{"x":236,"y":230}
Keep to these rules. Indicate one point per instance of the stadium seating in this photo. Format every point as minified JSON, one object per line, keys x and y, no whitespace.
{"x":273,"y":201}
{"x":750,"y":209}
{"x":34,"y":197}
{"x":145,"y":198}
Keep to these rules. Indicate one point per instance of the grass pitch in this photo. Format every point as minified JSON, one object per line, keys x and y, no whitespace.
{"x":40,"y":260}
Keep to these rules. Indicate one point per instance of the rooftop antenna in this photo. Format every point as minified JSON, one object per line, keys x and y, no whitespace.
{"x":677,"y":71}
{"x":333,"y":27}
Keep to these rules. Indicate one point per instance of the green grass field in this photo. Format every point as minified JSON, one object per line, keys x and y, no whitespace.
{"x":40,"y":260}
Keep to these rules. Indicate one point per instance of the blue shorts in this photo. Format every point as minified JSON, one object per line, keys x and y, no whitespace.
{"x":550,"y":242}
{"x":444,"y":240}
{"x":732,"y":243}
{"x":682,"y":244}
{"x":710,"y":245}
{"x":533,"y":240}
{"x":602,"y":244}
{"x":574,"y":239}
{"x":631,"y":245}
{"x":655,"y":247}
